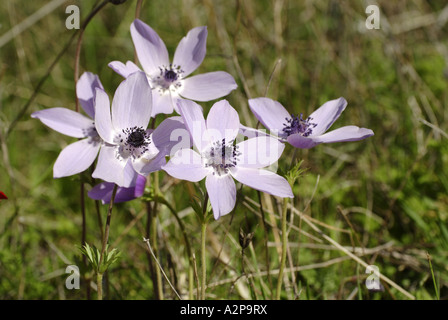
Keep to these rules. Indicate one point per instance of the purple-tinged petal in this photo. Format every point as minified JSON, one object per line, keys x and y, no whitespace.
{"x":194,"y":121}
{"x":145,"y":166}
{"x":169,"y":131}
{"x":186,"y":164}
{"x":222,"y":194}
{"x":348,"y":133}
{"x":270,"y":113}
{"x":101,"y":191}
{"x":151,"y":50}
{"x":326,"y":115}
{"x":140,"y":185}
{"x":85,"y":92}
{"x":259,"y":152}
{"x":75,"y":158}
{"x":111,"y":169}
{"x":123,"y":195}
{"x":263,"y":180}
{"x":65,"y":121}
{"x":132,"y":103}
{"x":124,"y":70}
{"x":191,"y":50}
{"x":223,"y":121}
{"x":299,"y":141}
{"x":103,"y":121}
{"x":208,"y":86}
{"x":161,"y":103}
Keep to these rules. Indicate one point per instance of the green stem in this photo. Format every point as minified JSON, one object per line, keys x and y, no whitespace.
{"x":433,"y":277}
{"x":99,"y":283}
{"x":204,"y":267}
{"x":99,"y":274}
{"x":154,"y":245}
{"x":203,"y":234}
{"x":154,"y":236}
{"x":284,"y":248}
{"x":106,"y":231}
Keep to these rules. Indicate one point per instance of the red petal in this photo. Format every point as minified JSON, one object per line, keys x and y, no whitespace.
{"x":3,"y":196}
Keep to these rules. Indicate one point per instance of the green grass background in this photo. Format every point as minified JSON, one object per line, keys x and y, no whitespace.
{"x":390,"y":189}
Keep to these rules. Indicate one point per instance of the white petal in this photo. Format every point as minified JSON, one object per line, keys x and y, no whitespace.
{"x":111,"y":169}
{"x":65,"y":121}
{"x":208,"y":86}
{"x":161,"y":103}
{"x":259,"y":152}
{"x":191,"y":50}
{"x":132,"y":104}
{"x":75,"y":158}
{"x":194,"y":121}
{"x":186,"y":164}
{"x":151,"y":50}
{"x":345,"y":134}
{"x":223,"y":122}
{"x":85,"y":91}
{"x":326,"y":115}
{"x":263,"y":180}
{"x":125,"y":70}
{"x":222,"y":193}
{"x":270,"y":113}
{"x":103,"y":122}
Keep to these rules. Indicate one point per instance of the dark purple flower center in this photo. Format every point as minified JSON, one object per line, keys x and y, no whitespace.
{"x":221,"y":156}
{"x":136,"y":138}
{"x":168,"y":78}
{"x":296,"y":124}
{"x":134,"y":142}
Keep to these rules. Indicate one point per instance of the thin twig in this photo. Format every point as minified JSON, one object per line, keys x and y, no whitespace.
{"x":160,"y":267}
{"x":284,"y":248}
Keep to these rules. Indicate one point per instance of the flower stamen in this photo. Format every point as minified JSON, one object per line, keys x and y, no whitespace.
{"x":133,"y":142}
{"x":221,"y":156}
{"x":168,"y":79}
{"x":296,"y":124}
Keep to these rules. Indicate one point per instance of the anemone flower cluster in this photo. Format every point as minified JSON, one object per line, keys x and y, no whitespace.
{"x":191,"y":146}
